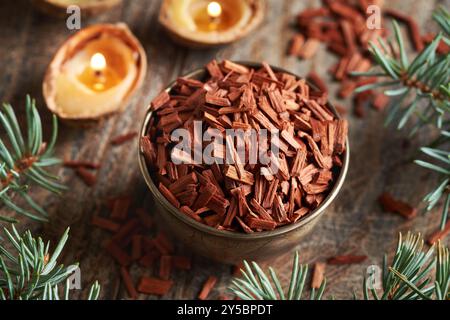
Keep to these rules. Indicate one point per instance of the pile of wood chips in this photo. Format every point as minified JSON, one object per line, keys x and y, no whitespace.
{"x":243,"y":196}
{"x":342,"y":26}
{"x":132,"y":245}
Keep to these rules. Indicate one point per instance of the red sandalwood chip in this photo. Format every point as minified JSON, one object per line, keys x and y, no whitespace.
{"x":207,"y":287}
{"x":154,"y":286}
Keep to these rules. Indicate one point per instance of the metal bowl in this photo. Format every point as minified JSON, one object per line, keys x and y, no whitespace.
{"x":226,"y":246}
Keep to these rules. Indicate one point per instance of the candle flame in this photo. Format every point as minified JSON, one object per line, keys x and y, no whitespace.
{"x":214,"y":9}
{"x":98,"y":62}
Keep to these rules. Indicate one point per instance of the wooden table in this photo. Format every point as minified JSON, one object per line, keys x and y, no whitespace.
{"x":380,"y":158}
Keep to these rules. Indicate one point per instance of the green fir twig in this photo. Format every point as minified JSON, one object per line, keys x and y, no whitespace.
{"x":420,"y":88}
{"x":408,"y":277}
{"x":23,"y":160}
{"x":256,"y":285}
{"x":29,"y":271}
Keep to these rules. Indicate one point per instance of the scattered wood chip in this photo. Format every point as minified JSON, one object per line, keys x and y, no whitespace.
{"x":163,"y":244}
{"x":207,"y":287}
{"x":105,"y":224}
{"x":120,"y":255}
{"x":88,"y":177}
{"x":390,"y":204}
{"x":128,"y":283}
{"x":296,"y":44}
{"x":346,"y":259}
{"x":120,"y":208}
{"x":123,"y":138}
{"x":154,"y":286}
{"x":318,"y":275}
{"x":165,"y":267}
{"x":309,"y":48}
{"x":380,"y":101}
{"x":439,"y":234}
{"x":81,"y":164}
{"x":124,"y":235}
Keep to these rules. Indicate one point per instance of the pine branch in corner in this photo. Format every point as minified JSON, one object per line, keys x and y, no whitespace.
{"x":415,"y":273}
{"x":408,"y":276}
{"x":29,"y":271}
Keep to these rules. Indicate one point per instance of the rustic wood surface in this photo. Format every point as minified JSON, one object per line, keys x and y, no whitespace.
{"x":380,"y":157}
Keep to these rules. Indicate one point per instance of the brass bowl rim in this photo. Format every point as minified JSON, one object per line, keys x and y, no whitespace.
{"x":316,"y":213}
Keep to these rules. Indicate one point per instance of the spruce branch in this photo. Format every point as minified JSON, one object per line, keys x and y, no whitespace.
{"x":415,"y":273}
{"x":441,"y":165}
{"x":256,"y":285}
{"x":421,"y":88}
{"x":29,"y":271}
{"x":408,"y":276}
{"x":23,"y":160}
{"x":442,"y":17}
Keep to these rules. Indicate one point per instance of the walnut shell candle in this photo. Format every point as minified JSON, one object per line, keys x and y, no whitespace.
{"x":204,"y":23}
{"x":94,"y":73}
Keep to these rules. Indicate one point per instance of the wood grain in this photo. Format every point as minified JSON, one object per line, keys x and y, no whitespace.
{"x":380,"y":159}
